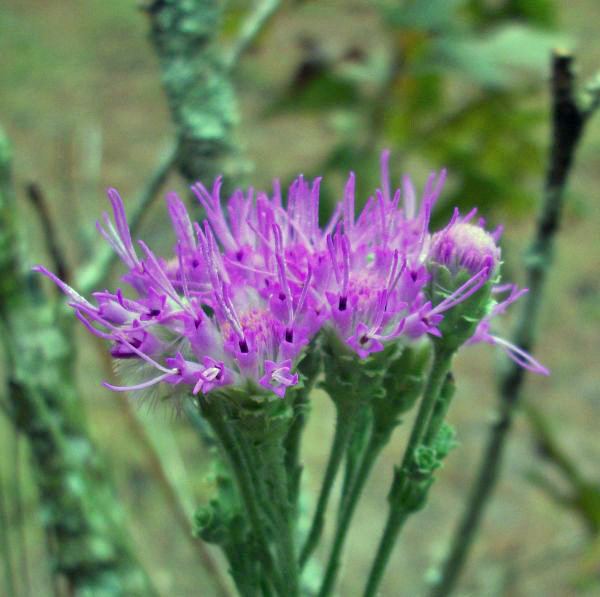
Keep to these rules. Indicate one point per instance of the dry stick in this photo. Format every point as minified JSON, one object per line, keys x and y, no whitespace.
{"x":38,"y":200}
{"x":568,"y":122}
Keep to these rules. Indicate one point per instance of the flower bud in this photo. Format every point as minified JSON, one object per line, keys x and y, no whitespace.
{"x":464,"y":260}
{"x":465,"y":246}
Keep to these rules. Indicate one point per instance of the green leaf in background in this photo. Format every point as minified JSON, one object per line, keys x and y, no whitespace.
{"x":423,"y":15}
{"x":498,"y":57}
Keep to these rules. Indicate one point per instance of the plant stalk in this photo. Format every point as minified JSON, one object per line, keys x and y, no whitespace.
{"x":404,"y":492}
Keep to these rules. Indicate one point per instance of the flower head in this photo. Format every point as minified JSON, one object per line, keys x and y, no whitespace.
{"x":245,"y":292}
{"x":465,"y":246}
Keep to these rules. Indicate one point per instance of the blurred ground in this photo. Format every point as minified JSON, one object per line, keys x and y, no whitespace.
{"x":81,"y":99}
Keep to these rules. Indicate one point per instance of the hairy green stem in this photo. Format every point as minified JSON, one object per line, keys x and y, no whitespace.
{"x":440,"y":409}
{"x":285,"y":521}
{"x":348,"y":508}
{"x":247,"y":486}
{"x":292,"y":445}
{"x":309,"y":368}
{"x":343,"y":433}
{"x":355,"y":452}
{"x":403,"y":492}
{"x":5,"y":544}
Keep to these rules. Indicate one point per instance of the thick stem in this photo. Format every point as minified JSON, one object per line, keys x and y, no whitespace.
{"x":293,"y":443}
{"x":247,"y":487}
{"x":285,"y":521}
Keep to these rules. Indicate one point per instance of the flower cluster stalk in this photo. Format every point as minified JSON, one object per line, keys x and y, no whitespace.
{"x":401,"y":386}
{"x":410,"y":485}
{"x":343,"y":432}
{"x":264,"y":496}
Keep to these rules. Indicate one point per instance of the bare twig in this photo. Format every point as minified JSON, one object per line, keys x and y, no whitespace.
{"x":38,"y":200}
{"x":94,"y":274}
{"x":251,"y":29}
{"x":568,"y":122}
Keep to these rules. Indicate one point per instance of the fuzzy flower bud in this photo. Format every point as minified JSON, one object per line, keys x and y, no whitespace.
{"x":465,"y":246}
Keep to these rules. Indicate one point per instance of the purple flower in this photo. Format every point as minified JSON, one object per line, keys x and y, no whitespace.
{"x":231,"y":311}
{"x":244,"y":293}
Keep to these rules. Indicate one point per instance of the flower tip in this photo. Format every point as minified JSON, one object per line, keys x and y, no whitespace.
{"x":114,"y":196}
{"x":536,"y":367}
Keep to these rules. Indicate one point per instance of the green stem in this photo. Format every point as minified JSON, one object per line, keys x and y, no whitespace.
{"x":369,"y":456}
{"x":246,"y":485}
{"x":273,"y":462}
{"x":356,"y":451}
{"x":343,"y":433}
{"x":393,"y":526}
{"x":240,"y":568}
{"x":309,"y":368}
{"x":401,"y":493}
{"x":440,"y":410}
{"x":292,"y":445}
{"x":439,"y":370}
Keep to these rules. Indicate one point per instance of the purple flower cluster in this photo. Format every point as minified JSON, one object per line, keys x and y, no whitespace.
{"x":246,"y":291}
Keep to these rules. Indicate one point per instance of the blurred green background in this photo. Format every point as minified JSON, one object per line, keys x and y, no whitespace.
{"x":326,"y":86}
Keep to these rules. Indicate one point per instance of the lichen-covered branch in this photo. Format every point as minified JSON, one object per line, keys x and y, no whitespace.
{"x":569,"y":118}
{"x":80,"y":511}
{"x":199,"y":91}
